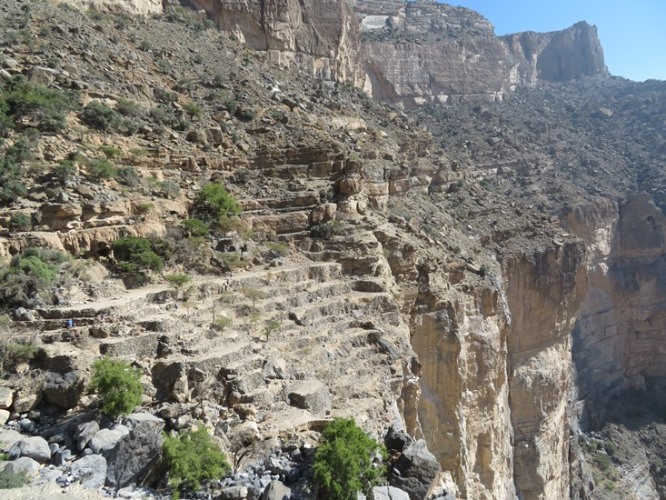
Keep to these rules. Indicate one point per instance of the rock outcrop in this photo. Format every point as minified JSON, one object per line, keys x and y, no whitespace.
{"x":425,"y":52}
{"x":321,"y":36}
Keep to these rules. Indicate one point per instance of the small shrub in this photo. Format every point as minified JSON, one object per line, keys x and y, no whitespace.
{"x":101,"y":168}
{"x":10,"y":480}
{"x":221,"y":323}
{"x":343,"y":462}
{"x":100,"y":116}
{"x":178,"y":280}
{"x":136,"y":255}
{"x":129,"y":108}
{"x":193,"y":109}
{"x":253,"y":294}
{"x":271,"y":327}
{"x":277,"y":249}
{"x":12,"y":353}
{"x":64,"y":171}
{"x":214,"y":202}
{"x":129,"y":177}
{"x":192,"y":458}
{"x":169,"y":188}
{"x":110,"y":151}
{"x":36,"y":103}
{"x":21,"y":221}
{"x":118,"y":386}
{"x":195,"y":228}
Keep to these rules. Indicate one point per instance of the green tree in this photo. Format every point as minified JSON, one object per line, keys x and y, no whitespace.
{"x":118,"y":386}
{"x":193,"y":457}
{"x":214,"y":202}
{"x":177,"y":281}
{"x":343,"y":462}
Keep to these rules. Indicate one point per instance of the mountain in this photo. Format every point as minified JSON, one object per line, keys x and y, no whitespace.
{"x":376,"y":210}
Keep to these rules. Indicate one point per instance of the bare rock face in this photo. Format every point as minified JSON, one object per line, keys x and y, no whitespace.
{"x":322,"y":36}
{"x":619,"y":338}
{"x":424,"y":52}
{"x":142,"y":7}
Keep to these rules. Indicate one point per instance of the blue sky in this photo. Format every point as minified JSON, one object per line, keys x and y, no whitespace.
{"x":633,"y":34}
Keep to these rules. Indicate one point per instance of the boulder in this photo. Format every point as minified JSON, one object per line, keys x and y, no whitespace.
{"x":388,"y":493}
{"x":22,"y":465}
{"x":415,"y":470}
{"x":33,"y":447}
{"x":233,"y":493}
{"x":63,"y":391}
{"x":106,"y":439}
{"x":311,"y":395}
{"x":276,"y":491}
{"x":27,"y":403}
{"x":90,"y":471}
{"x":84,"y":432}
{"x":4,"y":416}
{"x":135,"y":457}
{"x":8,"y":438}
{"x":397,"y":440}
{"x":6,"y":398}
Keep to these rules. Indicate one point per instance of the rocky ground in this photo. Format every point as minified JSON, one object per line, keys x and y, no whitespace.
{"x":353,"y":214}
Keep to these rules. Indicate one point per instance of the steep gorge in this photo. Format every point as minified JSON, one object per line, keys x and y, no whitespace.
{"x":529,"y":314}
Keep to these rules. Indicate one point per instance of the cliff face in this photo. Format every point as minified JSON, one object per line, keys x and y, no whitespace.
{"x":423,"y":52}
{"x":321,"y":36}
{"x":619,"y":338}
{"x":141,"y":7}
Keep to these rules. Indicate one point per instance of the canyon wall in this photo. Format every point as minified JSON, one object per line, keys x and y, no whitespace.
{"x":321,"y":36}
{"x":619,"y":339}
{"x":140,"y":7}
{"x":496,"y":373}
{"x":425,"y":52}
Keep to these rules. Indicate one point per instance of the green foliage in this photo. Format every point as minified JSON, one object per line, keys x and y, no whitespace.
{"x":137,"y":256}
{"x":28,"y":274}
{"x":193,"y":109}
{"x":169,"y":188}
{"x":101,"y":168}
{"x":64,"y":171}
{"x":110,"y":151}
{"x":221,"y":323}
{"x":343,"y":462}
{"x":12,"y":353}
{"x":195,"y":228}
{"x":214,"y":202}
{"x":167,"y":116}
{"x":100,"y":116}
{"x":271,"y":327}
{"x":177,"y":280}
{"x":21,"y":221}
{"x":118,"y":386}
{"x":11,"y":170}
{"x":278,"y":249}
{"x":192,"y":458}
{"x":129,"y":176}
{"x":44,"y":107}
{"x":10,"y":480}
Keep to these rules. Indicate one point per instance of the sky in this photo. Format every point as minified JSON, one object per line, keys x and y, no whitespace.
{"x":633,"y":34}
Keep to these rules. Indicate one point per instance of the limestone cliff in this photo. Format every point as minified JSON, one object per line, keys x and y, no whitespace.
{"x":619,"y":337}
{"x":425,"y":52}
{"x":321,"y":36}
{"x":141,"y":7}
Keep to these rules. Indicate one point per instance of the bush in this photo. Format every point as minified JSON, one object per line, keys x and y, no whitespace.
{"x":195,"y":228}
{"x":64,"y":171}
{"x":138,"y":253}
{"x":10,"y":480}
{"x":21,"y":221}
{"x":118,"y":386}
{"x":36,"y":103}
{"x":12,"y":353}
{"x":101,"y":168}
{"x":100,"y":116}
{"x":11,"y":171}
{"x":27,"y":275}
{"x":193,"y":457}
{"x":343,"y":462}
{"x":214,"y":202}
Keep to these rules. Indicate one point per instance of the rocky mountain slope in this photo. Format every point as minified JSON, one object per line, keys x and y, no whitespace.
{"x":484,"y":275}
